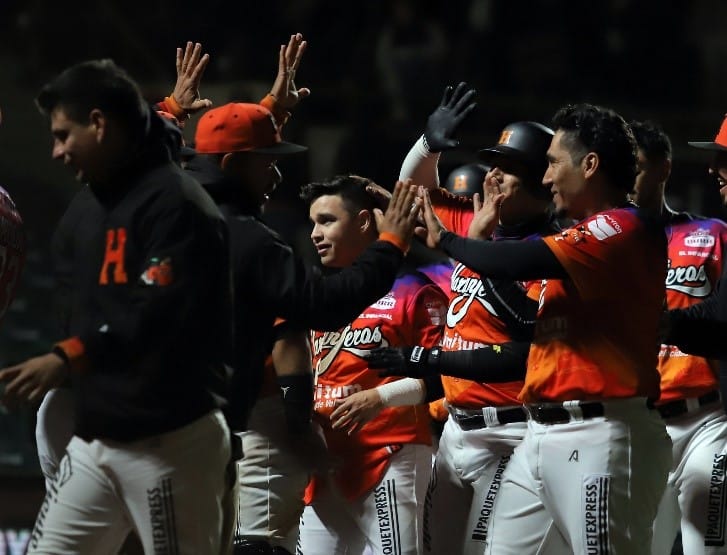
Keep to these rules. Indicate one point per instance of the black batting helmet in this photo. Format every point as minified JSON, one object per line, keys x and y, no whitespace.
{"x":526,"y":142}
{"x":466,"y":180}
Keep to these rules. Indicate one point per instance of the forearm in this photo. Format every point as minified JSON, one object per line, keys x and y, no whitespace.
{"x":493,"y":364}
{"x":420,"y":166}
{"x":513,"y":260}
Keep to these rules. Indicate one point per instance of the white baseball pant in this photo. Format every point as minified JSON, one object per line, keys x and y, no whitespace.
{"x":586,"y":486}
{"x":696,"y":491}
{"x":169,"y":488}
{"x":272,"y":478}
{"x":54,"y":429}
{"x":465,"y":479}
{"x":387,"y":519}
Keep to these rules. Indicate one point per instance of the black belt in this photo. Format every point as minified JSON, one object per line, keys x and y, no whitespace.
{"x":679,"y":407}
{"x":556,"y":413}
{"x":475,"y":420}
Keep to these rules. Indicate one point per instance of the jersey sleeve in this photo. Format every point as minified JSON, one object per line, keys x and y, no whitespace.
{"x":455,"y":212}
{"x":584,"y":251}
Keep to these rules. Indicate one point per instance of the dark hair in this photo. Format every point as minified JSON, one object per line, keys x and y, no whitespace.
{"x":95,"y":84}
{"x":652,"y":140}
{"x":588,"y":128}
{"x":351,"y":188}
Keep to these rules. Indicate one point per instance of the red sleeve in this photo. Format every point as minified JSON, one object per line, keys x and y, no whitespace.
{"x":455,"y":212}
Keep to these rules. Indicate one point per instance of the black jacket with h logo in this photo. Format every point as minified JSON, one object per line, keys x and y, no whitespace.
{"x":144,"y":287}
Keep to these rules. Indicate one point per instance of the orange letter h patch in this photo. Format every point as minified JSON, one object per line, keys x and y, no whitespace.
{"x":115,"y":243}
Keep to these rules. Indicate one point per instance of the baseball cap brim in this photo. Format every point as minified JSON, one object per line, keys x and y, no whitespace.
{"x":283,"y":147}
{"x":707,"y":145}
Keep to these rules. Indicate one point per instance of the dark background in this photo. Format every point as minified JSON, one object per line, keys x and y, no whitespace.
{"x":376,"y":70}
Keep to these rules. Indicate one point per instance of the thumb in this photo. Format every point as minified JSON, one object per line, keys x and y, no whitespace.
{"x":304,"y":92}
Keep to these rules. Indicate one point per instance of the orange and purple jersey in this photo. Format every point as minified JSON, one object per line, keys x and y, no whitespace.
{"x":696,"y":257}
{"x":472,"y":322}
{"x":412,"y":313}
{"x":596,"y":334}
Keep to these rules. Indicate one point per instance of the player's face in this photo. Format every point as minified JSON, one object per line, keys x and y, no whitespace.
{"x":649,"y":185}
{"x":519,"y":205}
{"x":566,"y":180}
{"x":718,"y":168}
{"x":338,"y":236}
{"x":79,"y":145}
{"x":258,"y":172}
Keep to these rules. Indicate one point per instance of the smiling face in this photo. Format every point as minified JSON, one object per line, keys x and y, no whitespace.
{"x":339,"y":235}
{"x":566,"y":179}
{"x":718,"y":169}
{"x":520,"y":203}
{"x":79,"y":145}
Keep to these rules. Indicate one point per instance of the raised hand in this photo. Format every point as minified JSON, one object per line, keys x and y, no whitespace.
{"x":190,"y":68}
{"x":412,"y":362}
{"x":487,"y":211}
{"x":434,"y":227}
{"x":400,"y":217}
{"x":442,"y":124}
{"x":284,"y":90}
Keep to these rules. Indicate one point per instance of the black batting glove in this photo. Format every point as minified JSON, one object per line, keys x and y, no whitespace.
{"x":442,"y":124}
{"x":412,"y":362}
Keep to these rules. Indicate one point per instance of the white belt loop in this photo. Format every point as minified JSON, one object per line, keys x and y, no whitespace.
{"x":490,"y":416}
{"x":574,"y":409}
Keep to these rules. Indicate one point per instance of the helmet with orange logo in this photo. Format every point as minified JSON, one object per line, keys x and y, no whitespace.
{"x":526,"y":142}
{"x":466,"y":180}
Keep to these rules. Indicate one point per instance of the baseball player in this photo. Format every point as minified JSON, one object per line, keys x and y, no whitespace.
{"x":237,"y":147}
{"x":592,"y":467}
{"x":690,"y":401}
{"x":150,"y":447}
{"x":382,"y":446}
{"x":701,"y":328}
{"x":486,"y":420}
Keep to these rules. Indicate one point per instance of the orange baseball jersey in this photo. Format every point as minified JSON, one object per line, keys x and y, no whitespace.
{"x":696,"y":257}
{"x":596,"y":334}
{"x":472,"y":322}
{"x":412,"y":313}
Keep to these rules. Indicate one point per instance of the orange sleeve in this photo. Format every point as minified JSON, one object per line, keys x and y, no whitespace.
{"x":455,"y":212}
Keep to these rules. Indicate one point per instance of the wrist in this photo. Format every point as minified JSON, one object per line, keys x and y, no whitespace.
{"x":174,"y":108}
{"x":400,"y":393}
{"x":395,"y":240}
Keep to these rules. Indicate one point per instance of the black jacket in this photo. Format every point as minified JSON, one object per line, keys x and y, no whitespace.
{"x":155,"y":329}
{"x":270,"y":281}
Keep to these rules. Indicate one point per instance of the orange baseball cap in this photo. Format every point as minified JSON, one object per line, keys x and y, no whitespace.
{"x":720,"y":141}
{"x":240,"y":127}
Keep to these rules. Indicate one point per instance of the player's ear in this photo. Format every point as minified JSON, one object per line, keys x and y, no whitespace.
{"x":365,"y":220}
{"x":590,"y":164}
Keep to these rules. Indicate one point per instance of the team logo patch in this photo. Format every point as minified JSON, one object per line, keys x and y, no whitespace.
{"x":604,"y":226}
{"x":595,"y":514}
{"x":158,"y":272}
{"x":505,"y":137}
{"x":699,"y":238}
{"x":387,"y":302}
